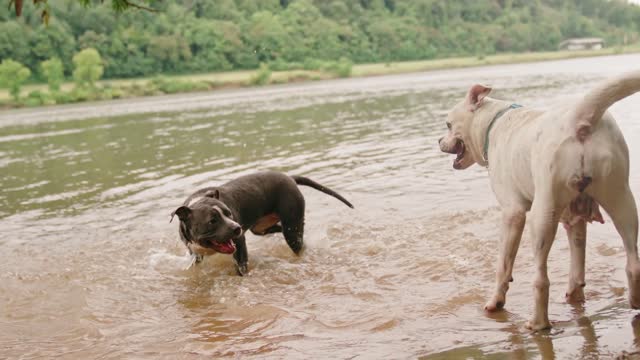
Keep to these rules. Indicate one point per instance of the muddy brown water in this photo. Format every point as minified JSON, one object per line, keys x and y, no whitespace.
{"x":90,"y":266}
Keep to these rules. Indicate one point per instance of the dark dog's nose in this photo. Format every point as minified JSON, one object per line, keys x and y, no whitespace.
{"x":237,"y":231}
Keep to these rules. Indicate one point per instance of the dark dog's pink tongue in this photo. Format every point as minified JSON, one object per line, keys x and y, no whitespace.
{"x":226,"y":248}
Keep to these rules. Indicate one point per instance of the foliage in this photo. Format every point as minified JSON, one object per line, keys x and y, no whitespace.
{"x":37,"y":98}
{"x":171,"y":86}
{"x":341,"y":68}
{"x":54,"y":40}
{"x":204,"y":35}
{"x":12,"y":76}
{"x":117,"y":5}
{"x":12,"y":41}
{"x":106,"y":91}
{"x":88,"y":67}
{"x":262,"y":76}
{"x":53,"y":72}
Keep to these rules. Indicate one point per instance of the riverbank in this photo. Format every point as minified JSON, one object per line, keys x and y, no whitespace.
{"x":38,"y":94}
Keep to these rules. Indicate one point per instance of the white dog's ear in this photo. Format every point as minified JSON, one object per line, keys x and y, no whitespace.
{"x":475,"y":96}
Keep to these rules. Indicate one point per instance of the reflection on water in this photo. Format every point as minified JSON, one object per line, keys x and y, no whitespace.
{"x":91,"y":267}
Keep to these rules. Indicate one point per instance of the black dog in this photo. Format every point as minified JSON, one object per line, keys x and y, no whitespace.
{"x":214,"y":219}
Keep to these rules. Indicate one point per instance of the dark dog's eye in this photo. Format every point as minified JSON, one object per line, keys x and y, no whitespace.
{"x":227,"y":213}
{"x":214,"y":219}
{"x":448,"y":125}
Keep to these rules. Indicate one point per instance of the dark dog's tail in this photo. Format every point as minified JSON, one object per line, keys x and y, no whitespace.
{"x":301,"y":180}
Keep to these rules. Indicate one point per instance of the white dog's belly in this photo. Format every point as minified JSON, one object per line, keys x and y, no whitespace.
{"x":582,"y":208}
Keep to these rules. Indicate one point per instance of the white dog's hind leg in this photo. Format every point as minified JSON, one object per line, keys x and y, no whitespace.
{"x":621,"y":206}
{"x":544,"y":218}
{"x":512,"y":225}
{"x":577,"y":236}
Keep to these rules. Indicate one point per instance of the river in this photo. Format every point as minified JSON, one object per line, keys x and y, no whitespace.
{"x":90,"y":266}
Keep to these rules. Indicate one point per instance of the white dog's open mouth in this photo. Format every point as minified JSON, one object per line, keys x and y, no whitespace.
{"x":459,"y":150}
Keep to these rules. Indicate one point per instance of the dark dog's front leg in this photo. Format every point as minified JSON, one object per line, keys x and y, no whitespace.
{"x":241,"y":256}
{"x":195,"y":259}
{"x":184,"y":236}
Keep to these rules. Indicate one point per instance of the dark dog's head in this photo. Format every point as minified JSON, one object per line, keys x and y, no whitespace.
{"x":209,"y":223}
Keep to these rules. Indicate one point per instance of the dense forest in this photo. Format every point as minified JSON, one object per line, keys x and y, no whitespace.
{"x":189,"y":36}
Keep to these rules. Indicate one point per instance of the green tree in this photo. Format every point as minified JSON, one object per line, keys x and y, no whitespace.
{"x":12,"y":76}
{"x":266,"y":36}
{"x":311,"y":35}
{"x":88,"y":67}
{"x":213,"y":44}
{"x":127,"y":55}
{"x":53,"y":71}
{"x":14,"y":41}
{"x":170,"y":51}
{"x":82,"y":19}
{"x":220,"y":10}
{"x":252,"y":6}
{"x":54,"y":40}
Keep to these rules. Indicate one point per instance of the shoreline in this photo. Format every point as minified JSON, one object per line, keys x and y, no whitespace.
{"x":243,"y":79}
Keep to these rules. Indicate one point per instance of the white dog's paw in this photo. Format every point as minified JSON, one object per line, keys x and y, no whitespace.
{"x":633,"y":275}
{"x":575,"y":295}
{"x":495,"y":304}
{"x":536,"y":325}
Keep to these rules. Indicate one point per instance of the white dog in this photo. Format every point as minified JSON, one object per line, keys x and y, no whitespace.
{"x":561,"y":164}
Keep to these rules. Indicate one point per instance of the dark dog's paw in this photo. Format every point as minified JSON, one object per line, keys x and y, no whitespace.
{"x":242,"y":269}
{"x":297,"y":246}
{"x":194,"y":259}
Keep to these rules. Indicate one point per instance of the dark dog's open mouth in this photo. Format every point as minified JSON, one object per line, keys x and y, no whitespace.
{"x":459,"y":150}
{"x":224,"y":247}
{"x":228,"y":247}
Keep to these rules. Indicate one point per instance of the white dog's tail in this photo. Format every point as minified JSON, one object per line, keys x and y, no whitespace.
{"x":592,"y":107}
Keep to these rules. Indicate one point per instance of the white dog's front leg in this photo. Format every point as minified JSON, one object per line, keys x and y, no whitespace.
{"x":512,"y":225}
{"x":544,"y":223}
{"x":577,"y":235}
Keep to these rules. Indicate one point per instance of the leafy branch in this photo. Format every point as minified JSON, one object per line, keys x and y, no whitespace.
{"x":117,"y":5}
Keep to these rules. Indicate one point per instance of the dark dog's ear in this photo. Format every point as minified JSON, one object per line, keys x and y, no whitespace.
{"x":475,"y":96}
{"x":213,"y":194}
{"x":183,"y":213}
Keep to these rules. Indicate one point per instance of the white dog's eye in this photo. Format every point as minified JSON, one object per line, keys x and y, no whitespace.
{"x":448,"y":125}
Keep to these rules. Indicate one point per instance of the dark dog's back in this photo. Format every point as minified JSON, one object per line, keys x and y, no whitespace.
{"x":252,"y":196}
{"x":261,"y":193}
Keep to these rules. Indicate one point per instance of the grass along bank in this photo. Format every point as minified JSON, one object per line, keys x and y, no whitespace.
{"x":38,"y":94}
{"x":499,"y":59}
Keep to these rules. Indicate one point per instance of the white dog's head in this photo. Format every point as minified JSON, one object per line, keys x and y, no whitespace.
{"x":459,"y":121}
